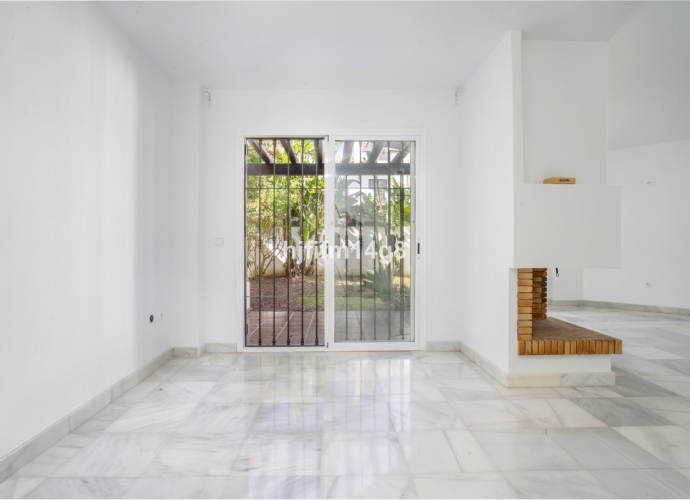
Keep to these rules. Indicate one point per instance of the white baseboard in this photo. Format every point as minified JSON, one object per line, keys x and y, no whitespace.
{"x":680,"y":311}
{"x":189,"y":352}
{"x":638,"y":307}
{"x":195,"y":352}
{"x":553,"y":302}
{"x":23,"y":454}
{"x":441,"y":346}
{"x":484,"y":363}
{"x":601,"y":379}
{"x":229,"y":347}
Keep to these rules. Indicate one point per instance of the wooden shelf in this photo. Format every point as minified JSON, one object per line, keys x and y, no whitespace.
{"x":552,"y":336}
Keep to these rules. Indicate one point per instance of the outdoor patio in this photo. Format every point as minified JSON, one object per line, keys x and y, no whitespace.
{"x":351,"y":326}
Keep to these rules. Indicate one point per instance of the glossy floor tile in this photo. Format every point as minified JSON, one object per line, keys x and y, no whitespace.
{"x":82,"y":487}
{"x":386,"y":425}
{"x":589,"y":450}
{"x":669,"y":444}
{"x":633,"y":483}
{"x":530,"y":449}
{"x":558,"y":484}
{"x":618,"y":412}
{"x":463,"y":485}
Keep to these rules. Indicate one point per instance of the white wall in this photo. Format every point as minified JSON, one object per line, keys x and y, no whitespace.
{"x":185,"y":120}
{"x":567,"y":226}
{"x":486,"y":206}
{"x":655,"y":231}
{"x":649,"y":141}
{"x":84,"y":157}
{"x":565,"y":115}
{"x":565,"y":110}
{"x":295,"y":111}
{"x":650,"y":77}
{"x":568,"y":285}
{"x":580,"y":224}
{"x":565,"y":97}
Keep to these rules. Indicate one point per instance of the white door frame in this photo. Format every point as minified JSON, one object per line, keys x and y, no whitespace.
{"x":419,"y":179}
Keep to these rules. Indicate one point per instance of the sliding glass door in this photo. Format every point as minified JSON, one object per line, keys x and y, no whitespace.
{"x":373,"y":241}
{"x":330,"y":243}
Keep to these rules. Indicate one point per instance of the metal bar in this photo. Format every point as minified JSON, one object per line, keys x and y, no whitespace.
{"x":287,"y":238}
{"x":402,"y":260}
{"x":376,"y":242}
{"x":390,"y":256}
{"x":347,"y":240}
{"x":261,"y":187}
{"x":361,"y":243}
{"x":244,"y":283}
{"x":301,"y":225}
{"x":316,"y":270}
{"x":273,"y":243}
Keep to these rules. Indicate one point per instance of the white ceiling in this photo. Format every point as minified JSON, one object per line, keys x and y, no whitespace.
{"x":346,"y":44}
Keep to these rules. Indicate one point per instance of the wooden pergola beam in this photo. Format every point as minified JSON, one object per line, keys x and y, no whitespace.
{"x":347,"y":151}
{"x":259,"y":148}
{"x":285,"y":169}
{"x":380,"y":169}
{"x":292,"y":156}
{"x":375,"y":151}
{"x":318,"y":146}
{"x":400,"y":155}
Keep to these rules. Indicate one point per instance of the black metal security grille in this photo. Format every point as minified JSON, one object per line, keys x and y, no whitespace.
{"x":284,"y":220}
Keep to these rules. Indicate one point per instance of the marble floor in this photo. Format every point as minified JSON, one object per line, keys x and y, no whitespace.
{"x":386,"y":425}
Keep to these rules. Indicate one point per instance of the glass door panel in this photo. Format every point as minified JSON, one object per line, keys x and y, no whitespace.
{"x":284,"y":249}
{"x":373,"y":258}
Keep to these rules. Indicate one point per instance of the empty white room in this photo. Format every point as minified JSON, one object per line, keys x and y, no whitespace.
{"x":344,"y":249}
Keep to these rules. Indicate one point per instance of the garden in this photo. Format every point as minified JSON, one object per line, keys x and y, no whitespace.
{"x":285,"y":221}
